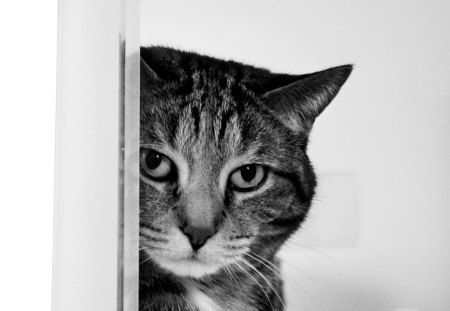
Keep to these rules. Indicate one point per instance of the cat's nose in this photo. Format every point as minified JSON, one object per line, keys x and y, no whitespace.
{"x":198,"y":235}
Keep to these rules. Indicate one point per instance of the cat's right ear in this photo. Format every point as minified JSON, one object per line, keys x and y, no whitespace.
{"x":299,"y":103}
{"x":148,"y":75}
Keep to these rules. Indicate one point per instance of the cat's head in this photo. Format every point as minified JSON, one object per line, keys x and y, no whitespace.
{"x":224,"y":169}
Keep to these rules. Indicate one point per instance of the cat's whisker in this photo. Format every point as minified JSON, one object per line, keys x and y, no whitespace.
{"x":153,"y":237}
{"x":264,"y":259}
{"x":315,"y":250}
{"x":283,"y":261}
{"x":225,"y":269}
{"x":227,"y":273}
{"x":265,"y":279}
{"x":211,"y":280}
{"x":278,"y":271}
{"x":235,"y":255}
{"x":232,"y":276}
{"x":219,"y":282}
{"x":236,"y":247}
{"x":235,"y":274}
{"x":148,"y":245}
{"x":236,"y":279}
{"x":144,"y":261}
{"x":251,"y":276}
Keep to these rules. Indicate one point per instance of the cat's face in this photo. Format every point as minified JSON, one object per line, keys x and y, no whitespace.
{"x":208,"y":166}
{"x":222,"y":176}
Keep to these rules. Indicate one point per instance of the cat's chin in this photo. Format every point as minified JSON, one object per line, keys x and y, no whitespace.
{"x":194,"y":268}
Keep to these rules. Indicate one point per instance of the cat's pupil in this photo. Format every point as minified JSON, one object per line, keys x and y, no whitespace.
{"x":153,"y":160}
{"x":248,"y":172}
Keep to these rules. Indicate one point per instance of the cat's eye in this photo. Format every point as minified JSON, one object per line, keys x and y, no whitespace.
{"x":248,"y":177}
{"x":156,"y":165}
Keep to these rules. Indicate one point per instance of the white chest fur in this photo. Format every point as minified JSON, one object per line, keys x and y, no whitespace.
{"x":202,"y":301}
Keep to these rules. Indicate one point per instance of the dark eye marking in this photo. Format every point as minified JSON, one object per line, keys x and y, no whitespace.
{"x":248,"y":178}
{"x":156,"y":166}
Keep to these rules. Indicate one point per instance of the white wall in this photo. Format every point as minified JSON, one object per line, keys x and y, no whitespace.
{"x":388,"y":130}
{"x":27,"y":128}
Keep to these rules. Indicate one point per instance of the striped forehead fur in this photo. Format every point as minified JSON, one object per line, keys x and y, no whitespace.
{"x":208,"y":121}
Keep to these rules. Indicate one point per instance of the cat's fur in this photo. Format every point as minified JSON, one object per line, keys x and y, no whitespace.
{"x":210,"y":117}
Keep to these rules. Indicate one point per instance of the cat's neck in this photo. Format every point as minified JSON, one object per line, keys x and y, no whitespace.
{"x":246,"y":290}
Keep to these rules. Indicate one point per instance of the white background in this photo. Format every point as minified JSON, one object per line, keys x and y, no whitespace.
{"x":380,"y":230}
{"x":28,"y":31}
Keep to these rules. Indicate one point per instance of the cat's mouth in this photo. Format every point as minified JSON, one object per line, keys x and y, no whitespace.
{"x":191,"y":266}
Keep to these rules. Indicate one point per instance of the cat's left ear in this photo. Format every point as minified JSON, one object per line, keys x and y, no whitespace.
{"x":298,"y":104}
{"x":148,"y":75}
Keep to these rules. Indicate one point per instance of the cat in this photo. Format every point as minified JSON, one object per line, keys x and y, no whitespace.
{"x":224,"y":177}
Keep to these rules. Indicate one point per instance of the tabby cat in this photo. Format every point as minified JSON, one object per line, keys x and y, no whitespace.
{"x":225,"y":178}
